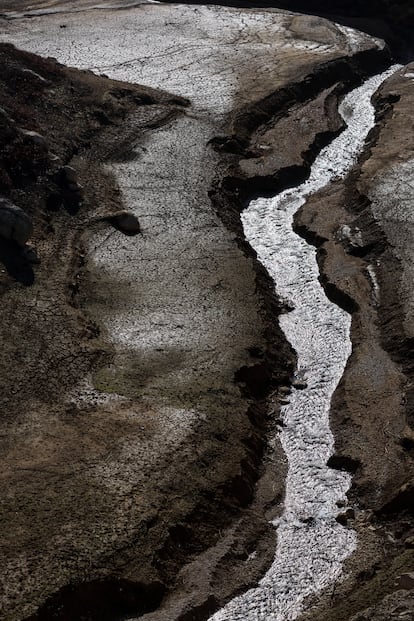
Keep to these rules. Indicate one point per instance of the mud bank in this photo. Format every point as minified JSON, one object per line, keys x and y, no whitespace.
{"x":160,"y":503}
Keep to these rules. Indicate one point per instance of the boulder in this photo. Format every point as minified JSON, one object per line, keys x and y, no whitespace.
{"x":69,"y":174}
{"x":345,"y":516}
{"x":15,"y":224}
{"x":34,"y":138}
{"x":125,"y":222}
{"x":299,"y":384}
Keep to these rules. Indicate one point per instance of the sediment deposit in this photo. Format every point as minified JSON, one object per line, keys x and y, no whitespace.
{"x":138,"y":468}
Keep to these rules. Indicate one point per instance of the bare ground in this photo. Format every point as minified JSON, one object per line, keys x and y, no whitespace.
{"x":51,"y":344}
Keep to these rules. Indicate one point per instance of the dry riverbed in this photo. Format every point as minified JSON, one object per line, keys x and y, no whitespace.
{"x":138,"y":406}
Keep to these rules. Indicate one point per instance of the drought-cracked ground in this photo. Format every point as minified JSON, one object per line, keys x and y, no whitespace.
{"x":143,"y":374}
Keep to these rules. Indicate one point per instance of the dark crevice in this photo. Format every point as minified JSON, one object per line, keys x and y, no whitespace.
{"x":342,"y":462}
{"x":110,"y":599}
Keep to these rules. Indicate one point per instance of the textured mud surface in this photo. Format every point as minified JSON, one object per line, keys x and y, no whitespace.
{"x":137,"y":408}
{"x":311,"y":543}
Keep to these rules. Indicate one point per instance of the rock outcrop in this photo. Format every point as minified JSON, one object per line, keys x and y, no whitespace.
{"x":15,"y":224}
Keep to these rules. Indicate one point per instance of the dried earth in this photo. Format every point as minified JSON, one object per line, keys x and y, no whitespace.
{"x":142,"y":375}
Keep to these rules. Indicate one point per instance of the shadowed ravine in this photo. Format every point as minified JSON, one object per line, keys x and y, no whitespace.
{"x":311,"y":544}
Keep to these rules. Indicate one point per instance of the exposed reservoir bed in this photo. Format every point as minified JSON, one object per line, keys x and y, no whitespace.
{"x":312,"y":545}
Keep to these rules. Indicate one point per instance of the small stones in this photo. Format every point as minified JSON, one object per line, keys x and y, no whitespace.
{"x":345,"y":516}
{"x":125,"y":222}
{"x":34,"y":138}
{"x":15,"y":224}
{"x":351,"y":237}
{"x":299,"y":384}
{"x":406,"y":581}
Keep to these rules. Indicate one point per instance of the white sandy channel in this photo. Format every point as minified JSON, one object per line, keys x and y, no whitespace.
{"x":312,"y":546}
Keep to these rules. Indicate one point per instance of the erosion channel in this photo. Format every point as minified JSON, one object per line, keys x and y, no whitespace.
{"x":312,"y":545}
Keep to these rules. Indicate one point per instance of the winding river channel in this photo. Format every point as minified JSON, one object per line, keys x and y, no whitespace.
{"x":312,"y":545}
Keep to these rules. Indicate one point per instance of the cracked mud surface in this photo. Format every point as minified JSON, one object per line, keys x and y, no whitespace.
{"x":131,"y":453}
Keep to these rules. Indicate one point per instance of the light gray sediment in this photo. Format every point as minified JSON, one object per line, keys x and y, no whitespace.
{"x":312,"y":545}
{"x":177,"y":306}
